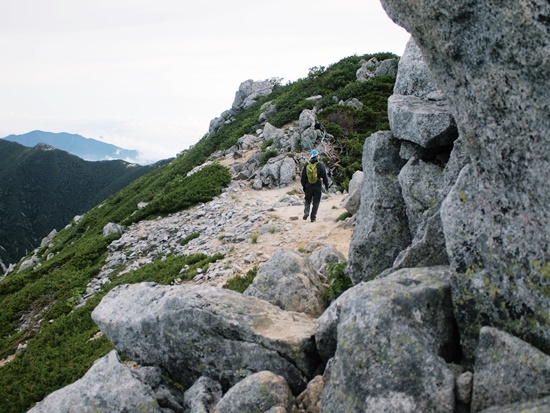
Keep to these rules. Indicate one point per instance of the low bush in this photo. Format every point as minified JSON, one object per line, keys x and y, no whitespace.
{"x":344,"y":216}
{"x":240,"y":284}
{"x":267,"y":155}
{"x":338,"y":281}
{"x":186,"y":191}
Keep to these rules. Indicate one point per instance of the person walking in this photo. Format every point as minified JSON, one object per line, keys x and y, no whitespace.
{"x":314,"y":175}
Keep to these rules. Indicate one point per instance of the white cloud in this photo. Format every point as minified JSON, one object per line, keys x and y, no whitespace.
{"x":151,"y":75}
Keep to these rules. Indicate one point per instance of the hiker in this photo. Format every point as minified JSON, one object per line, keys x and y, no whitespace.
{"x":314,"y":175}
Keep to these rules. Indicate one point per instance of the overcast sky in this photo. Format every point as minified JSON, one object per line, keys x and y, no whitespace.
{"x":151,"y":74}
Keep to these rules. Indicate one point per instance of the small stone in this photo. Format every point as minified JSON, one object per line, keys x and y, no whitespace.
{"x":464,"y":387}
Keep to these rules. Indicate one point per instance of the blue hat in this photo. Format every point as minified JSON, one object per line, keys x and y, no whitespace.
{"x":313,"y":153}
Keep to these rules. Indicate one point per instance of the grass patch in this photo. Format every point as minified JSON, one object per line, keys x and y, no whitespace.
{"x":267,"y":155}
{"x":338,"y":281}
{"x":344,"y":216}
{"x":189,"y":238}
{"x":62,"y":351}
{"x":240,"y":284}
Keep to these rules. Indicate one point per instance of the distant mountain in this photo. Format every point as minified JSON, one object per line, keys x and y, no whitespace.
{"x":43,"y":188}
{"x":85,"y":148}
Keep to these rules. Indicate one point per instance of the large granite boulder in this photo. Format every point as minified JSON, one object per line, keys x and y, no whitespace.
{"x":425,"y":122}
{"x":270,"y":132}
{"x":326,"y":256}
{"x":427,"y":248}
{"x":491,"y":61}
{"x":278,"y":171}
{"x":388,"y":338}
{"x":262,"y":392}
{"x":508,"y":370}
{"x":387,"y":67}
{"x":112,"y":229}
{"x":309,"y":401}
{"x":353,"y":199}
{"x":373,"y":67}
{"x":246,"y":142}
{"x":190,"y":331}
{"x":382,"y":230}
{"x":109,"y":386}
{"x":249,"y":92}
{"x":536,"y":406}
{"x":421,"y":184}
{"x":308,"y":127}
{"x":413,"y":76}
{"x":203,"y":396}
{"x":289,"y":280}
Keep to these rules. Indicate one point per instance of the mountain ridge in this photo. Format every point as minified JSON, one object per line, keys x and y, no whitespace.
{"x":86,"y":148}
{"x":43,"y":188}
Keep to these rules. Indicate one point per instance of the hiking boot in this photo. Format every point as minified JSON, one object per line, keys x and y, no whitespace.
{"x":306,"y":216}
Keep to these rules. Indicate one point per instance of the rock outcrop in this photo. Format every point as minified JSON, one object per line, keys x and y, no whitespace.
{"x":537,"y":406}
{"x":382,"y":229}
{"x":259,"y":392}
{"x":247,"y":95}
{"x":249,"y":91}
{"x":279,"y":171}
{"x":386,"y":341}
{"x":508,"y":370}
{"x":203,"y":396}
{"x":490,"y":60}
{"x":373,"y":67}
{"x":190,"y":331}
{"x":353,"y":200}
{"x":326,"y":256}
{"x":289,"y":280}
{"x":109,"y":386}
{"x":406,"y":178}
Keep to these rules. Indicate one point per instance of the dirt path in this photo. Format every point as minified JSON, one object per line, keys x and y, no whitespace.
{"x":292,"y":231}
{"x":299,"y":234}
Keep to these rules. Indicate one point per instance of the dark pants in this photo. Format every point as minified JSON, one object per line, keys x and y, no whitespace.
{"x":313,"y":193}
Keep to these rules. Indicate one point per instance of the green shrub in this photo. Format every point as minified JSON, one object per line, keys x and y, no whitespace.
{"x":63,"y":351}
{"x":267,"y":144}
{"x":190,"y":237}
{"x":267,"y":155}
{"x":344,"y":216}
{"x":167,"y":270}
{"x":239,"y":283}
{"x":186,"y":191}
{"x":338,"y":280}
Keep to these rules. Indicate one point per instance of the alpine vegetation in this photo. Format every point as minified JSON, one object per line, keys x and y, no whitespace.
{"x":433,"y":296}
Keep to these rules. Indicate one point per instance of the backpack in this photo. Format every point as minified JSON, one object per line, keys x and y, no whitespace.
{"x":311,"y":171}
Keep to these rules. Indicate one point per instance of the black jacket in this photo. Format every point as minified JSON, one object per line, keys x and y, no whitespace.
{"x":321,"y":174}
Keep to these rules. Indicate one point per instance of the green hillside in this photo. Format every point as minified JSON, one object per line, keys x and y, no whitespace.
{"x":42,"y":188}
{"x":60,"y":335}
